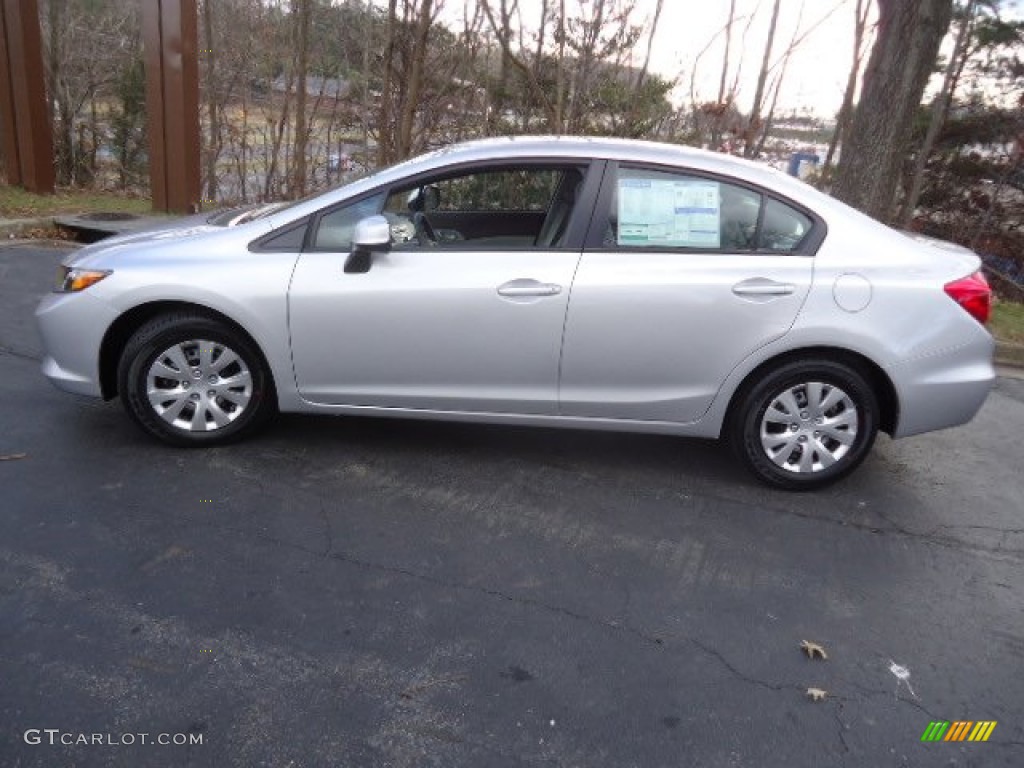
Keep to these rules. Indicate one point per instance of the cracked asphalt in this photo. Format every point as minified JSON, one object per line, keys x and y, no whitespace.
{"x":353,"y":592}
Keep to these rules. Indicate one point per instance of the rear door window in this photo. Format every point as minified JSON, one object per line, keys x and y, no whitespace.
{"x":654,"y":209}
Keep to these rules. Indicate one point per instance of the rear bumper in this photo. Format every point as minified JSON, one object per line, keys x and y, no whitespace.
{"x":945,"y":389}
{"x":72,"y":326}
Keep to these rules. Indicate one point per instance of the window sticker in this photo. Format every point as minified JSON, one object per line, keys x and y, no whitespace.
{"x":673,"y":213}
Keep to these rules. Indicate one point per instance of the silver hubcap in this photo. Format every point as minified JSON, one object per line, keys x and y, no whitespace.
{"x":199,"y":385}
{"x":809,"y":427}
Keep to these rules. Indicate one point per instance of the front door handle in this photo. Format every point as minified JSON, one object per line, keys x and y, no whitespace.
{"x":762,"y":286}
{"x":524,"y":287}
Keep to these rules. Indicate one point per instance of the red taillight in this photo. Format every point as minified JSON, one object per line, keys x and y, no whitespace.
{"x":973,"y":294}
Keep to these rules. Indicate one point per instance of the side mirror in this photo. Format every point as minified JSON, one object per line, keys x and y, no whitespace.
{"x":371,"y":235}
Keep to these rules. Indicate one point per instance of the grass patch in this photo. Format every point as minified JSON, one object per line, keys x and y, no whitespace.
{"x":1007,"y":321}
{"x":16,"y":203}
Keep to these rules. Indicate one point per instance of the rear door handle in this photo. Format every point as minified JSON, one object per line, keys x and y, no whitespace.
{"x":526,"y":287}
{"x":762,"y":286}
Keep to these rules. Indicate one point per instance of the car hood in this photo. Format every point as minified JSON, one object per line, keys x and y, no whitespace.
{"x":169,"y":233}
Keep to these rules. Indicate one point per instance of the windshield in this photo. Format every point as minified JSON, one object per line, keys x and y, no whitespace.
{"x":243,"y":214}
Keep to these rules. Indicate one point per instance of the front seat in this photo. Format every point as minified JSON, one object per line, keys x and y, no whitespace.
{"x":557,"y":220}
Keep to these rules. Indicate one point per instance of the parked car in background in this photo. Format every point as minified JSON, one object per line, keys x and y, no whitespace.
{"x":560,"y":282}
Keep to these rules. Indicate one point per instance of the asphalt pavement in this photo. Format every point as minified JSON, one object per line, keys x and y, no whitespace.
{"x":358,"y":592}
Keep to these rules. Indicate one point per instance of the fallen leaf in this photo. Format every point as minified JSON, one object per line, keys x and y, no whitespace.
{"x":13,"y":456}
{"x":813,"y":649}
{"x":817,"y":694}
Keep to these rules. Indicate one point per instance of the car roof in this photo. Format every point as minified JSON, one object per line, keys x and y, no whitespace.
{"x":582,"y":147}
{"x":586,"y":148}
{"x":640,"y":151}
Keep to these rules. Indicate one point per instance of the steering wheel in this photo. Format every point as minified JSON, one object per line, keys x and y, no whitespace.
{"x":425,"y":233}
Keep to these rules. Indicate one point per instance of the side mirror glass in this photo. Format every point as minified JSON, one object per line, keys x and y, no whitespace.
{"x":371,"y":235}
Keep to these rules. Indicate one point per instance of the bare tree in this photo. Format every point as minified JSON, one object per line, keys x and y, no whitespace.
{"x":839,"y":135}
{"x":799,"y":35}
{"x":302,"y":13}
{"x":909,"y":34}
{"x":641,"y":76}
{"x":88,"y":45}
{"x":754,"y":120}
{"x":696,"y":108}
{"x":528,"y":74}
{"x":385,"y":118}
{"x":730,"y":20}
{"x":721,"y":102}
{"x":502,"y":28}
{"x":213,"y":145}
{"x":940,"y":107}
{"x":415,"y":70}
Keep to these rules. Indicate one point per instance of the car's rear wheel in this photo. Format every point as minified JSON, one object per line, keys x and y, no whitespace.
{"x":805,"y":424}
{"x":192,"y":380}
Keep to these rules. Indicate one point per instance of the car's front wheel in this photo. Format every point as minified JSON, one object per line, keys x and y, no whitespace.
{"x":192,"y":380}
{"x":805,"y":424}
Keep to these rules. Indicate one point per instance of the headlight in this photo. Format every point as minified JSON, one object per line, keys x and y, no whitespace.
{"x":71,"y":279}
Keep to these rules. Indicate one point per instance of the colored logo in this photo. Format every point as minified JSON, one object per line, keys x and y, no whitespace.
{"x":960,"y":730}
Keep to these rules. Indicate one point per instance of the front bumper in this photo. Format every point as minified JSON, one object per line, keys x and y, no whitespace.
{"x":72,"y":326}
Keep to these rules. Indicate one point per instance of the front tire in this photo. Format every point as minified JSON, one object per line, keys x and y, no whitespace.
{"x":805,"y":425}
{"x":190,"y":380}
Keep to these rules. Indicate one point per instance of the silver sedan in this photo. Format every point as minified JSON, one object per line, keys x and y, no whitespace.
{"x":569,"y":282}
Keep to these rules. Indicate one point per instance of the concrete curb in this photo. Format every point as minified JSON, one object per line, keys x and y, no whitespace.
{"x":40,"y":242}
{"x":98,"y":225}
{"x":1009,"y":354}
{"x":1009,"y":372}
{"x":13,"y":228}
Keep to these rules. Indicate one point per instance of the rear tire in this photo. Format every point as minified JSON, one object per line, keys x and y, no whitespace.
{"x":191,"y":380}
{"x":806,"y":424}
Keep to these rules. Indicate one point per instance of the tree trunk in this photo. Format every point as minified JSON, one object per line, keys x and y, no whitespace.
{"x":303,"y":10}
{"x":277,"y":136}
{"x":213,"y":148}
{"x":530,"y":78}
{"x":909,"y":34}
{"x":241,"y":158}
{"x":940,"y":108}
{"x":583,"y":65}
{"x":716,"y":129}
{"x":842,"y":130}
{"x":634,"y":107}
{"x":728,"y":44}
{"x":499,"y":98}
{"x":559,"y":115}
{"x":385,"y":130}
{"x":412,"y":98}
{"x":753,"y":124}
{"x":367,"y":100}
{"x":63,"y":138}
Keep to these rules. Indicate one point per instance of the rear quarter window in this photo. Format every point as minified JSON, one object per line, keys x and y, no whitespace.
{"x":783,"y":228}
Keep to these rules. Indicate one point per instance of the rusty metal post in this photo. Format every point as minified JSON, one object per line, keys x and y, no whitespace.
{"x":170,"y":37}
{"x":24,"y":116}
